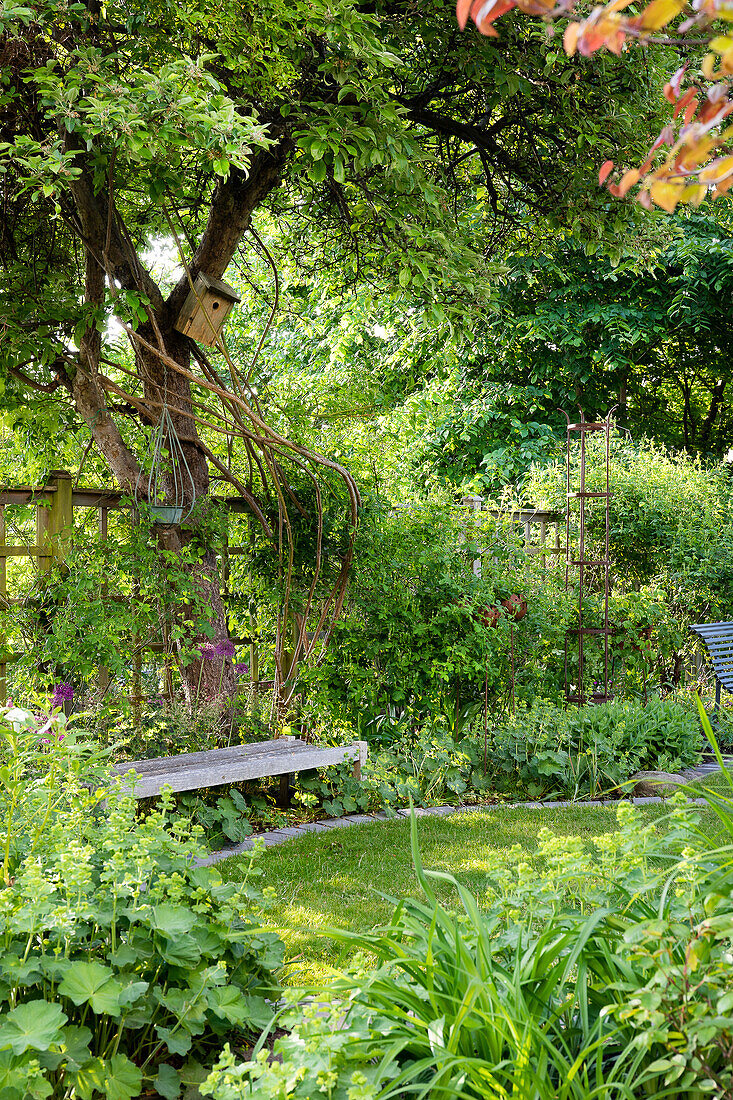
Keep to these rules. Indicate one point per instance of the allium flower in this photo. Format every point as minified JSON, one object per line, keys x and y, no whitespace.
{"x":208,"y":651}
{"x":225,"y":649}
{"x":62,"y":693}
{"x":241,"y":669}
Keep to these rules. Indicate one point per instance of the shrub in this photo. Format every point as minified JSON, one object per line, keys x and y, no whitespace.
{"x":602,"y":972}
{"x":588,"y":751}
{"x":123,"y":964}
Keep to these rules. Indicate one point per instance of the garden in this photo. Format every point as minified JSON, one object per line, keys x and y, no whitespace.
{"x":365,"y":485}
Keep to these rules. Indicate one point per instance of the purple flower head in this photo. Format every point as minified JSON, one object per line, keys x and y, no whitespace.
{"x":241,"y":669}
{"x":50,"y":740}
{"x":225,"y":649}
{"x":208,"y":651}
{"x":62,"y":693}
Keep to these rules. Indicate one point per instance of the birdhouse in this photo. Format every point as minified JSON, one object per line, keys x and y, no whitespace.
{"x":206,"y":309}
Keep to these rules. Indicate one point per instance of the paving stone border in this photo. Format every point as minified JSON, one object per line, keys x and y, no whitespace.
{"x":292,"y":832}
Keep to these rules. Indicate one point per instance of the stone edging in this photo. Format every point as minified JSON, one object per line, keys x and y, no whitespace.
{"x":281,"y":836}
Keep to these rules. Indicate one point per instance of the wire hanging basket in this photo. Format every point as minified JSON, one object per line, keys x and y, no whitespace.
{"x":170,"y":477}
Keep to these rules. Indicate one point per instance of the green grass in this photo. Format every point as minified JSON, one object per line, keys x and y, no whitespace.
{"x":338,"y":878}
{"x":714,"y":782}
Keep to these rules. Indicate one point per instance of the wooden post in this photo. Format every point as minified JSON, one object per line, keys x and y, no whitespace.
{"x":284,"y":791}
{"x":474,"y":504}
{"x":43,"y":533}
{"x":137,"y":653}
{"x":62,"y":514}
{"x":254,"y":657}
{"x":54,"y":520}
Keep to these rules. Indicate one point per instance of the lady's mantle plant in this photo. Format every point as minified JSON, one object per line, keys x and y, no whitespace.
{"x":123,"y":964}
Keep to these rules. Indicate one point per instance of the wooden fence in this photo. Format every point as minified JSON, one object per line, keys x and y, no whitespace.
{"x":538,"y":530}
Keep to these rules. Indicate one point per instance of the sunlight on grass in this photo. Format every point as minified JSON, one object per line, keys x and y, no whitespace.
{"x":349,"y":878}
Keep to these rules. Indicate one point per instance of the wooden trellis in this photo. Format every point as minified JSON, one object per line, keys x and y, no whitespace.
{"x":55,"y":503}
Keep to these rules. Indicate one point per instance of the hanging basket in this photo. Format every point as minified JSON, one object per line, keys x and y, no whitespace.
{"x":164,"y":515}
{"x":171,"y":492}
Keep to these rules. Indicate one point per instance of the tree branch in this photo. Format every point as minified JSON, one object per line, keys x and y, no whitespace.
{"x":229,"y":219}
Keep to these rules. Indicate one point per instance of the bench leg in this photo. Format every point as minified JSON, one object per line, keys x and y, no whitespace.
{"x":360,"y":759}
{"x":283,"y":798}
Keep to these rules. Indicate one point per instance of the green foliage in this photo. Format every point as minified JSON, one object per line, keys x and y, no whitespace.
{"x":224,"y":819}
{"x":670,"y":522}
{"x":598,"y":973}
{"x":490,"y":440}
{"x":105,"y":602}
{"x":123,"y":964}
{"x":650,"y":335}
{"x":416,"y":635}
{"x":588,"y":752}
{"x":422,"y":765}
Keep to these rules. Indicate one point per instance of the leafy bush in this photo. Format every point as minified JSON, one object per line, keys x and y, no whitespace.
{"x":82,"y":615}
{"x":588,"y":751}
{"x":601,"y":971}
{"x":670,"y":522}
{"x":123,"y":964}
{"x":417,"y":637}
{"x":424,"y":765}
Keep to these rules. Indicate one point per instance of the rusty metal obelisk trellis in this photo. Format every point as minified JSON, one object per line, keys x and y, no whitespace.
{"x":586,"y":574}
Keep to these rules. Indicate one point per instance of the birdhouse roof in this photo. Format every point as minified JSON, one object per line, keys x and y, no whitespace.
{"x":218,"y":286}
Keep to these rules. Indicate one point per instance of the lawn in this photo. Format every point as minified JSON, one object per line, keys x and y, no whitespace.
{"x":340,"y":878}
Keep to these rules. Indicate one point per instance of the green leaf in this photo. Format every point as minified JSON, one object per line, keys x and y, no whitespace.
{"x":92,"y":982}
{"x":173,"y":919}
{"x":75,"y":1045}
{"x":168,"y":1082}
{"x":178,"y":1041}
{"x":32,"y":1026}
{"x":123,"y":1079}
{"x":116,"y":1079}
{"x":318,"y":171}
{"x":180,"y":951}
{"x":228,"y":1004}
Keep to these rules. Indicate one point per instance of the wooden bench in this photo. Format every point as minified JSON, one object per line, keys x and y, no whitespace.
{"x":718,"y":639}
{"x":193,"y":770}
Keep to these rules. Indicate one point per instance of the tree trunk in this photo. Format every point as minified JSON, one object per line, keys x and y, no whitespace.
{"x":210,"y":678}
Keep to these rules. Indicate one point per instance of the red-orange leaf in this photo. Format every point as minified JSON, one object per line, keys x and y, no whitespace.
{"x":605,"y":171}
{"x":657,"y":14}
{"x":682,"y":103}
{"x":570,"y":38}
{"x":690,"y":112}
{"x":627,"y":181}
{"x":484,"y":12}
{"x":463,"y":7}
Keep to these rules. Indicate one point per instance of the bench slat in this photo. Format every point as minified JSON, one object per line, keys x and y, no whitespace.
{"x":718,"y":641}
{"x":215,"y":767}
